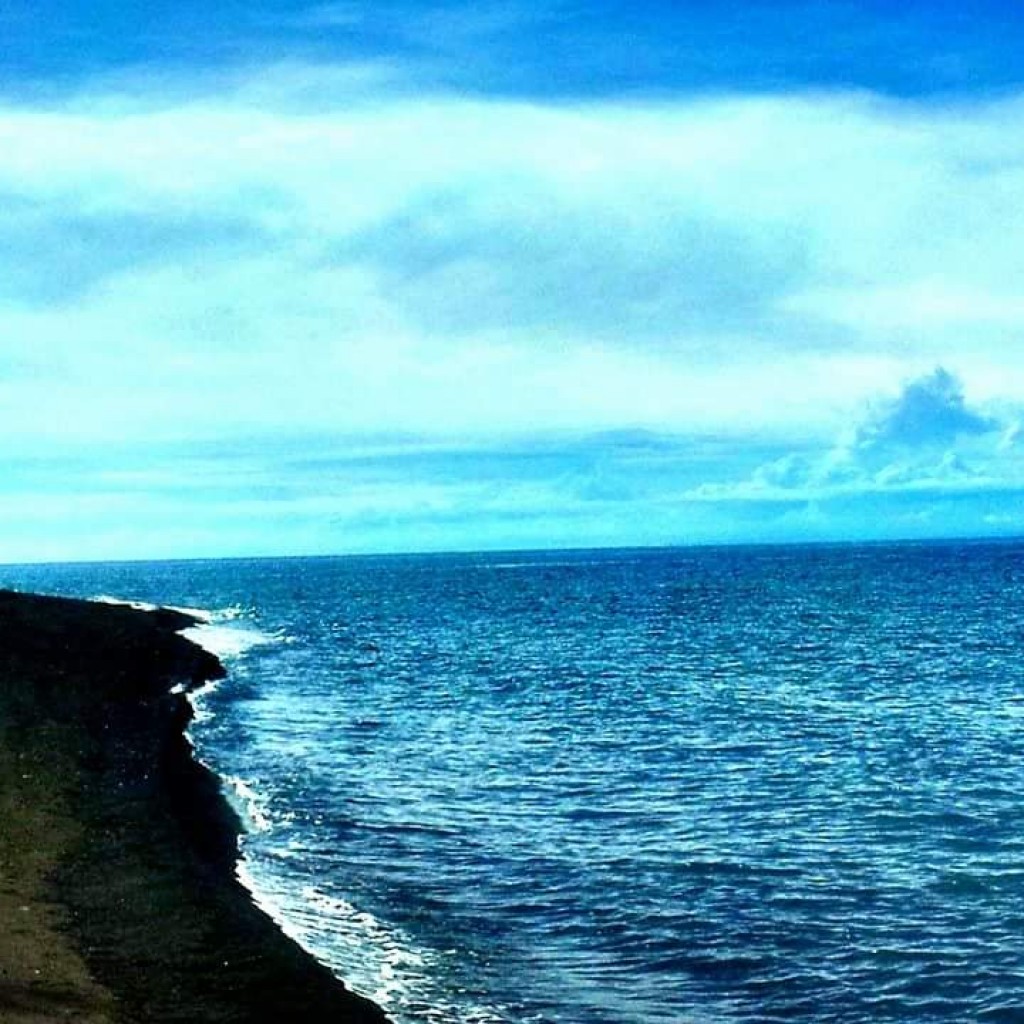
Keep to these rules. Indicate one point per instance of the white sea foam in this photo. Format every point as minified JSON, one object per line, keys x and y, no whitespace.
{"x":250,"y":805}
{"x":202,"y":613}
{"x":145,"y":606}
{"x":227,"y":642}
{"x":211,"y":632}
{"x":197,"y":698}
{"x":142,"y":606}
{"x":374,"y":958}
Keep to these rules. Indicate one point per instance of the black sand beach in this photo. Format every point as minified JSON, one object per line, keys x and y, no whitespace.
{"x":118,"y":901}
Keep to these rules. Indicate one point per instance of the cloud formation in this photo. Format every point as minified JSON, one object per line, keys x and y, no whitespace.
{"x":314,"y":258}
{"x":929,"y":412}
{"x":364,"y":259}
{"x":925,"y":438}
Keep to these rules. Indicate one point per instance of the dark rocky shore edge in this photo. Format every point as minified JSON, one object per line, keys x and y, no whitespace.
{"x":115,"y":841}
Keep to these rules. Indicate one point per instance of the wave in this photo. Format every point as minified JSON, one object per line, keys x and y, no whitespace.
{"x":249,"y":805}
{"x":146,"y":606}
{"x":227,"y":642}
{"x":375,"y":959}
{"x":212,"y":631}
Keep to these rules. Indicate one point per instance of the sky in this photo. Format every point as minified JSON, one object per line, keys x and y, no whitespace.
{"x":319,"y":278}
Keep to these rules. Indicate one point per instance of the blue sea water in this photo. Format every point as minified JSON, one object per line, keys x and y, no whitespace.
{"x":627,"y":787}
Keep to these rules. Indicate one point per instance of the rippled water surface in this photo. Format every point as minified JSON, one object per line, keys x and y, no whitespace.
{"x":629,"y":787}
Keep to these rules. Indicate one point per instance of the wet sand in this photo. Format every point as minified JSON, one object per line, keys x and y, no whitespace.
{"x":118,"y":901}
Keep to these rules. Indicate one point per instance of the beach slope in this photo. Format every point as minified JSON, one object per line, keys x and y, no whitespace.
{"x":118,"y":897}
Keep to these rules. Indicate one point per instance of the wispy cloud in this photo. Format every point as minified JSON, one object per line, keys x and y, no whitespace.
{"x":298,"y":252}
{"x":664,"y":264}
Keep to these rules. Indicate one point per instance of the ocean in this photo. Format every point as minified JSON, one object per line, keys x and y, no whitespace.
{"x":626,"y":787}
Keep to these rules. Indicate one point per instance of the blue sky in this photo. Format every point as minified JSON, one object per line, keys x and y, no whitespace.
{"x":316,"y":278}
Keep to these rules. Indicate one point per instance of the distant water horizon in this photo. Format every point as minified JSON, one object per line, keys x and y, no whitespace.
{"x":729,"y":783}
{"x":940,"y":540}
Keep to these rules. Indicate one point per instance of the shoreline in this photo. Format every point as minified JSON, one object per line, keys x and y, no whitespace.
{"x":118,"y":848}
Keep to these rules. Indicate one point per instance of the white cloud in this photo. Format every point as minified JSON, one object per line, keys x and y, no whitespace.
{"x":926,"y":438}
{"x":294,"y":249}
{"x":915,"y":306}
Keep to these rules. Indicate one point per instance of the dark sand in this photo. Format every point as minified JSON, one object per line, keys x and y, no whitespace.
{"x":118,"y":901}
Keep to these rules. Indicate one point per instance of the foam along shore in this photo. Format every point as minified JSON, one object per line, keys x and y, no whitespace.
{"x":118,"y":895}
